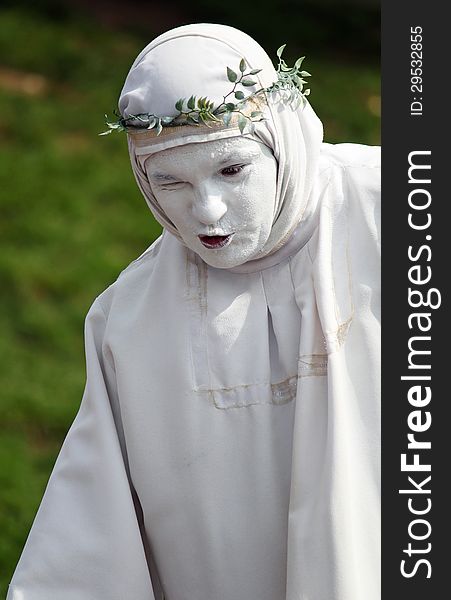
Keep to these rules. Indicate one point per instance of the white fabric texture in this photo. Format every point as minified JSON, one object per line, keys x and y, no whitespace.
{"x":227,"y":445}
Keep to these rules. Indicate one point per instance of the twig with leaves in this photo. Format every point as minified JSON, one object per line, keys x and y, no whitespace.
{"x":195,"y":111}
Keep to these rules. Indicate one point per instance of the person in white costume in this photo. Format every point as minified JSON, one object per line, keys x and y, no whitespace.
{"x":227,"y":444}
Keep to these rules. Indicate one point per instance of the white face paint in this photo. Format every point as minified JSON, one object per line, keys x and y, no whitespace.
{"x":219,"y":194}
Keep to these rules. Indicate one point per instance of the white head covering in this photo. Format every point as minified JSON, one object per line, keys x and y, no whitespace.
{"x":192,"y":60}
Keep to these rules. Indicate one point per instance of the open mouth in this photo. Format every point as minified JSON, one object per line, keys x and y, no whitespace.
{"x":215,"y":241}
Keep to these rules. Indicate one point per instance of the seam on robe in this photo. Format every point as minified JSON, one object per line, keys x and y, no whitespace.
{"x":196,"y":297}
{"x":243,"y":396}
{"x":312,"y":365}
{"x":263,"y":392}
{"x":335,"y":212}
{"x":343,"y":327}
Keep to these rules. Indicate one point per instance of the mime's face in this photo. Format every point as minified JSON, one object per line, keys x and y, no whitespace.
{"x":219,"y":194}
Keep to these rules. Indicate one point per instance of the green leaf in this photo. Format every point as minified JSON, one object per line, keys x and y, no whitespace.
{"x":242,"y":122}
{"x":280,"y":50}
{"x":230,"y":106}
{"x":255,"y":71}
{"x":231,"y":75}
{"x":204,"y":119}
{"x":226,"y":118}
{"x":179,"y":104}
{"x":167,"y":120}
{"x":242,"y":65}
{"x":305,"y":74}
{"x":299,"y":82}
{"x":298,"y":63}
{"x":106,"y":132}
{"x":211,"y":116}
{"x":159,"y":127}
{"x":152,"y":122}
{"x":248,"y":82}
{"x":256,"y":113}
{"x":191,"y":102}
{"x":239,"y":95}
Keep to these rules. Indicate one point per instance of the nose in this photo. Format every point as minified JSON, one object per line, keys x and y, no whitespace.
{"x":208,"y":206}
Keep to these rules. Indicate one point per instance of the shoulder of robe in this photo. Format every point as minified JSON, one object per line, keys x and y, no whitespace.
{"x":345,"y":247}
{"x":357,"y":170}
{"x":131,"y":279}
{"x":352,"y":203}
{"x":358,"y":173}
{"x":352,"y":155}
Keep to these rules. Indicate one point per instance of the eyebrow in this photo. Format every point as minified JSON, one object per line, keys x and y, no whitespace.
{"x":245,"y":156}
{"x":162,"y":177}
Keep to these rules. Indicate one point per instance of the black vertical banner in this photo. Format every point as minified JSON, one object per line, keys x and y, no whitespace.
{"x":416,"y":266}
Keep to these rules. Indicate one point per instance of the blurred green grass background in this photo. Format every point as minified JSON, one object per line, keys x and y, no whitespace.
{"x":72,"y":217}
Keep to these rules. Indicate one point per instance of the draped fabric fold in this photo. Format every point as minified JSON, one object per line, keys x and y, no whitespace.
{"x":334,"y":515}
{"x":86,"y":540}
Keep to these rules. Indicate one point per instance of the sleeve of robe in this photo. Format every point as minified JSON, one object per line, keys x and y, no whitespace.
{"x":85,"y":542}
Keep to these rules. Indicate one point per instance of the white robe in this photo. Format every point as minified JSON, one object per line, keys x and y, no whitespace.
{"x":227,"y":444}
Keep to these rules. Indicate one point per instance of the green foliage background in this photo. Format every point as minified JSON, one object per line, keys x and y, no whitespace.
{"x":72,"y":217}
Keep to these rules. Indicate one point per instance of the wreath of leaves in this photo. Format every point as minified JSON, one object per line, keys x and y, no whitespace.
{"x":289,"y":87}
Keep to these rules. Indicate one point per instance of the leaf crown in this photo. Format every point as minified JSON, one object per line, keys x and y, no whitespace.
{"x":289,"y":87}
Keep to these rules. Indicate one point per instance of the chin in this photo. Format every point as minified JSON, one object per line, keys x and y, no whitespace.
{"x":224,"y":261}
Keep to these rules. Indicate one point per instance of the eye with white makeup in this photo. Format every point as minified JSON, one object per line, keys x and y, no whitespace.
{"x":232,"y":171}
